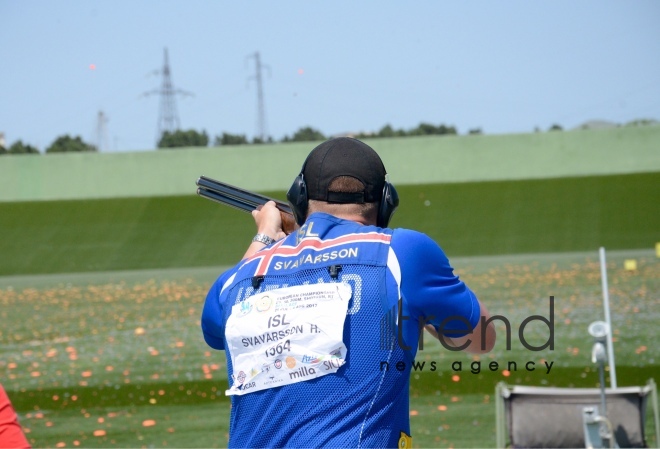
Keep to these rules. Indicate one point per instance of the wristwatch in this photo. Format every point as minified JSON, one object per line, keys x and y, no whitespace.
{"x":263,"y":238}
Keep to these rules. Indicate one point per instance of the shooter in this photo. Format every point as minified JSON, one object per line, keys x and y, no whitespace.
{"x":282,"y":392}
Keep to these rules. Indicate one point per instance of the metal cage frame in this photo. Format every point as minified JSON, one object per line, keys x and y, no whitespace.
{"x":504,"y":394}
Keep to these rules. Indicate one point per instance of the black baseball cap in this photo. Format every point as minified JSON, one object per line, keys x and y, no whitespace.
{"x":344,"y":156}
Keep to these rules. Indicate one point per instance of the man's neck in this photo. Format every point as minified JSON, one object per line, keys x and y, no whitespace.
{"x":352,"y":217}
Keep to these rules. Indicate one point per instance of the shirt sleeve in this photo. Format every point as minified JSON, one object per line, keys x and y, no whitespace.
{"x":429,"y":286}
{"x":213,"y":325}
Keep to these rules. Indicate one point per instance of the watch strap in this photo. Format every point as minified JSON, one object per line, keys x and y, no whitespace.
{"x":263,"y":238}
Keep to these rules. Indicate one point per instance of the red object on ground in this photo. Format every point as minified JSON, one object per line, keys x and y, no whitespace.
{"x":11,"y":434}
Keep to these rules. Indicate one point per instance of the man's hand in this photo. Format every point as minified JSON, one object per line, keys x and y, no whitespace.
{"x":269,"y":222}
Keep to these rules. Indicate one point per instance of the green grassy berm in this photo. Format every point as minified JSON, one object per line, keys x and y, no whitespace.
{"x":507,"y":217}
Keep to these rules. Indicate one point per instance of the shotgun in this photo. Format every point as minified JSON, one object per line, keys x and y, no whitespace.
{"x":242,"y":199}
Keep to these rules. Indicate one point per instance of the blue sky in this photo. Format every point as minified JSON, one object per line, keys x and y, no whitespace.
{"x":338,"y":66}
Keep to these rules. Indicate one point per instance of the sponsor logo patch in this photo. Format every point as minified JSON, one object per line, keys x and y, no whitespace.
{"x":264,"y":303}
{"x":405,"y":440}
{"x":310,"y":359}
{"x":246,"y":307}
{"x":240,"y":377}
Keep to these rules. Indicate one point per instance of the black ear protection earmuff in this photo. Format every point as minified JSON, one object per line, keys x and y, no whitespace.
{"x":297,"y":197}
{"x":299,"y":201}
{"x":388,"y":204}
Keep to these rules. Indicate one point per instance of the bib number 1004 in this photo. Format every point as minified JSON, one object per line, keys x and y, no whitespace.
{"x":278,"y":348}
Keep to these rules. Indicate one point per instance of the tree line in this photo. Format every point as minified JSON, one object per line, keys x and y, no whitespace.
{"x":194,"y":138}
{"x":62,"y":144}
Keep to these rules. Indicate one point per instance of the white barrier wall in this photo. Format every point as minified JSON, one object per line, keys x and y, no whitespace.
{"x":411,"y":160}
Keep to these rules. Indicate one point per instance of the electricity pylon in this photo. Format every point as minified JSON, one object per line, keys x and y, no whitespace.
{"x":168,"y":118}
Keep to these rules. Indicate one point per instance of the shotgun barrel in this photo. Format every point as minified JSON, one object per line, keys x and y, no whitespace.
{"x":235,"y":196}
{"x":242,"y":199}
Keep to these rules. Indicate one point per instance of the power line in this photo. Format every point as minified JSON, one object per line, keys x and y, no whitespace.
{"x":168,"y":117}
{"x":101,"y":132}
{"x":261,"y":110}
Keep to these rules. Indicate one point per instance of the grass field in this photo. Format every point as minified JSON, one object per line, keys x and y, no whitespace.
{"x":505,"y":217}
{"x":116,"y":359}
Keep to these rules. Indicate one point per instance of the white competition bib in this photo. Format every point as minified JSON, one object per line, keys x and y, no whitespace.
{"x":287,"y":335}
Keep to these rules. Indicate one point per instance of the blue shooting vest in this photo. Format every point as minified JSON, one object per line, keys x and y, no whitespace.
{"x":365,"y":403}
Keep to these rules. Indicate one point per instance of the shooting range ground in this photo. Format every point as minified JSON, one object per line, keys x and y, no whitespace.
{"x":116,"y":359}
